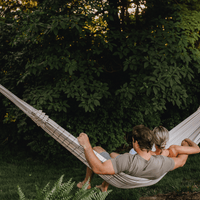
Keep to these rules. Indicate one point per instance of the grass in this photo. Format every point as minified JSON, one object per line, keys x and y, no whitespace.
{"x":19,"y":167}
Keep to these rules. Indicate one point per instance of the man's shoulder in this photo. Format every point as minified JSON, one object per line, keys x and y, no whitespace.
{"x":161,"y":158}
{"x":126,"y":156}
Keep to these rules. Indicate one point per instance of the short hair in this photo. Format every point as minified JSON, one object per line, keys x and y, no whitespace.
{"x":161,"y":136}
{"x":143,"y":136}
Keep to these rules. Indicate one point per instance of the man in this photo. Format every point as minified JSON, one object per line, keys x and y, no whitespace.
{"x":142,"y":164}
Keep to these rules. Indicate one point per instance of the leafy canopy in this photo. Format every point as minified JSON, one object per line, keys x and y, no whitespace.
{"x":94,"y":67}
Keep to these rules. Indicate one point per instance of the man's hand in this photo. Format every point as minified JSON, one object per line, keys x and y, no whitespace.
{"x":84,"y":140}
{"x":96,"y":165}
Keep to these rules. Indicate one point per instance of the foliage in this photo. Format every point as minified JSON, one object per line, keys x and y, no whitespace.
{"x":61,"y":191}
{"x":92,"y":71}
{"x":9,"y":6}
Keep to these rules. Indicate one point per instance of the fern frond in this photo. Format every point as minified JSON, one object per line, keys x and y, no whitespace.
{"x":60,"y":191}
{"x":68,"y":198}
{"x":50,"y":194}
{"x":59,"y":182}
{"x":40,"y":194}
{"x":99,"y":195}
{"x":46,"y":188}
{"x":21,"y":194}
{"x":84,"y":193}
{"x":66,"y":188}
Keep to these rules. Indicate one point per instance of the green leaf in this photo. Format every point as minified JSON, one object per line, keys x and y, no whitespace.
{"x":96,"y":103}
{"x":125,"y":67}
{"x":63,"y":24}
{"x":70,"y":71}
{"x":125,"y":85}
{"x":34,"y":71}
{"x":41,"y":101}
{"x":152,"y":79}
{"x":73,"y":24}
{"x":148,"y":91}
{"x":171,"y":82}
{"x":64,"y":109}
{"x":146,"y":64}
{"x":91,"y":106}
{"x":86,"y":108}
{"x":130,"y":96}
{"x":162,"y":87}
{"x":55,"y":30}
{"x":155,"y":90}
{"x":178,"y":103}
{"x":78,"y":28}
{"x":50,"y":98}
{"x":177,"y":80}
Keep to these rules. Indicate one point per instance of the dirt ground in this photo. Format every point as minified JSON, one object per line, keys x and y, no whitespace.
{"x":174,"y":196}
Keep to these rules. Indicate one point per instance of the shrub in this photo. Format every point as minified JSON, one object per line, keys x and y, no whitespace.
{"x":103,"y":82}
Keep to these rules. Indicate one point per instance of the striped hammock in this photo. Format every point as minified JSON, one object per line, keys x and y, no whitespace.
{"x":189,"y":128}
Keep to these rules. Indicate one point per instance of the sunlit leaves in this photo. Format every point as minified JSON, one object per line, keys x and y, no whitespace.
{"x":7,"y":7}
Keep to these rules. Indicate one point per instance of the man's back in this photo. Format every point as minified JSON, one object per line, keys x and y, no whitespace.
{"x":137,"y":166}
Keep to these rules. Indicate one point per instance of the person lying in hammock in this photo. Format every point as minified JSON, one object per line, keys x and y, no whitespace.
{"x":143,"y":164}
{"x":161,"y":137}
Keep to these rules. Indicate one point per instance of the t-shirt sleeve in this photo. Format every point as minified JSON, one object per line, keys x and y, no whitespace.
{"x":121,"y":163}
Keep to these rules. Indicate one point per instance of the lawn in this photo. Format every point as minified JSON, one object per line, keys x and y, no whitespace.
{"x":19,"y":167}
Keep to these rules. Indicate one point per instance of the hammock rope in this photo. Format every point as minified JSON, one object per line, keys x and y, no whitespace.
{"x":189,"y":128}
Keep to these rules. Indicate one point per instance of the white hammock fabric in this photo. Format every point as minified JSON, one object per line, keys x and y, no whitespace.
{"x":189,"y":128}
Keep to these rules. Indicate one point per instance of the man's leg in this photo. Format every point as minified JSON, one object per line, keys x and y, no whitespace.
{"x":89,"y":172}
{"x":104,"y":186}
{"x":191,"y":148}
{"x":191,"y":143}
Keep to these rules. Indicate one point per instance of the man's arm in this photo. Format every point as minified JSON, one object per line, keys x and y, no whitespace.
{"x":96,"y":165}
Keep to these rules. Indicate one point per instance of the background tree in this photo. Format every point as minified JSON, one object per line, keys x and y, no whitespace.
{"x":92,"y":66}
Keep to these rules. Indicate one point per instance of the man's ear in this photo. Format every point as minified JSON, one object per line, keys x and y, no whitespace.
{"x":136,"y":142}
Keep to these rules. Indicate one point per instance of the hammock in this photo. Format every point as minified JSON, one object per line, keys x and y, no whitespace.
{"x":189,"y":128}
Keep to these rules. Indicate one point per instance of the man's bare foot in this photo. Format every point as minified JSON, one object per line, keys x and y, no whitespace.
{"x":184,"y":143}
{"x":80,"y":184}
{"x":103,"y":189}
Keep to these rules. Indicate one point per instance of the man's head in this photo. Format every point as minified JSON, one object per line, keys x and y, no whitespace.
{"x":143,"y":136}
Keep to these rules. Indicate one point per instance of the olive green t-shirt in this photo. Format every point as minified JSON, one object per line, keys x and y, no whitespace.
{"x":137,"y":166}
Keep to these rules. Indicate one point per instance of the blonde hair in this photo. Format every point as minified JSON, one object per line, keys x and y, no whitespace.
{"x":161,"y":136}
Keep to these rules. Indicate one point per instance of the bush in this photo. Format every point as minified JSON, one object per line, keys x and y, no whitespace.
{"x":101,"y":82}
